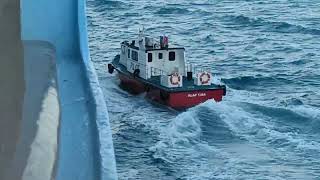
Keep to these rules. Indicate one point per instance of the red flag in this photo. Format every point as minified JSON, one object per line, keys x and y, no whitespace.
{"x":165,"y":41}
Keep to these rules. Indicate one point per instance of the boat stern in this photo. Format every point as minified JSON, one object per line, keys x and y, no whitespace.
{"x":192,"y":98}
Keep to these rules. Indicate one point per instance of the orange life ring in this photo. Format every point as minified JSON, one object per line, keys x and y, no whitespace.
{"x":204,"y":80}
{"x":175,"y":79}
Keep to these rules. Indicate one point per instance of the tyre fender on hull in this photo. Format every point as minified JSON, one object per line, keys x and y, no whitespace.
{"x":136,"y":73}
{"x":110,"y":68}
{"x":147,"y":88}
{"x":224,"y":89}
{"x":164,"y":95}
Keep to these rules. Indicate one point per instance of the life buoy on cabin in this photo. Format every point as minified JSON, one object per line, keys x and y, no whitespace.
{"x":205,"y":78}
{"x":175,"y":79}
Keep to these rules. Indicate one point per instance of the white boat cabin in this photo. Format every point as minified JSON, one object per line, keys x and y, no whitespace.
{"x":153,"y":58}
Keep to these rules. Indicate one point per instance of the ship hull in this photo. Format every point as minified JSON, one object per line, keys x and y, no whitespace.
{"x":176,"y":100}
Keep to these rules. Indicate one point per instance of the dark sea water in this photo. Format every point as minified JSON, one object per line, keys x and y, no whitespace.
{"x":268,"y":55}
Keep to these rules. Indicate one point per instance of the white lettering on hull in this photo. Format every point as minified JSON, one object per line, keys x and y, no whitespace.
{"x":196,"y":95}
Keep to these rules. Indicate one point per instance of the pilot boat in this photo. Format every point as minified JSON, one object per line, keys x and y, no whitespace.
{"x":146,"y":65}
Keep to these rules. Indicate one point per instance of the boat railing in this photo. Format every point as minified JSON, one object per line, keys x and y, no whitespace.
{"x":201,"y":69}
{"x":195,"y":70}
{"x":157,"y":71}
{"x":150,"y":71}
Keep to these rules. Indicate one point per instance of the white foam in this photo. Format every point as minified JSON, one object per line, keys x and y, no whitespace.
{"x":181,"y":146}
{"x":307,"y":111}
{"x":182,"y":131}
{"x":244,"y":124}
{"x":180,"y":137}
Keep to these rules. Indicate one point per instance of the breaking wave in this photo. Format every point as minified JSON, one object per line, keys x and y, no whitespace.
{"x":249,"y":126}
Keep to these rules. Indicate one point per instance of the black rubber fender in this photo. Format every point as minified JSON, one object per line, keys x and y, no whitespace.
{"x":224,"y":89}
{"x":110,"y":68}
{"x":147,"y":88}
{"x":164,"y":95}
{"x":136,"y":73}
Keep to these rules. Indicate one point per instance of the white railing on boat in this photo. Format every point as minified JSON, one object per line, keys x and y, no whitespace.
{"x":153,"y":71}
{"x":157,"y":71}
{"x":195,"y":70}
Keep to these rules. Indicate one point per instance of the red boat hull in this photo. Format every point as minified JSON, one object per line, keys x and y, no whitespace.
{"x":192,"y":98}
{"x":182,"y":100}
{"x":131,"y":84}
{"x":177,"y":100}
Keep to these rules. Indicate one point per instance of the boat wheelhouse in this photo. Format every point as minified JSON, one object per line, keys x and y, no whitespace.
{"x":147,"y":65}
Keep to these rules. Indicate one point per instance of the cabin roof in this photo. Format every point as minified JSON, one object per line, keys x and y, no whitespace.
{"x":168,"y":49}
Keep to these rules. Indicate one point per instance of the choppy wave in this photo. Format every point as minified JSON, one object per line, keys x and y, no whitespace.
{"x":280,"y":27}
{"x":110,"y":3}
{"x":252,"y":82}
{"x":172,"y":10}
{"x":180,"y":141}
{"x":300,"y":62}
{"x":107,"y":5}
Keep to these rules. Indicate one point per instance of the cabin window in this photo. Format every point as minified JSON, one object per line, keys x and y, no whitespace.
{"x":160,"y":55}
{"x":129,"y":53}
{"x":149,"y":57}
{"x":134,"y":55}
{"x":172,"y":56}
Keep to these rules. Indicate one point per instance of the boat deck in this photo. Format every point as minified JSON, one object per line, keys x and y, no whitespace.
{"x":155,"y":80}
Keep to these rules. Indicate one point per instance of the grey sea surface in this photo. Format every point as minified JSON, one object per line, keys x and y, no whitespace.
{"x":268,"y":55}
